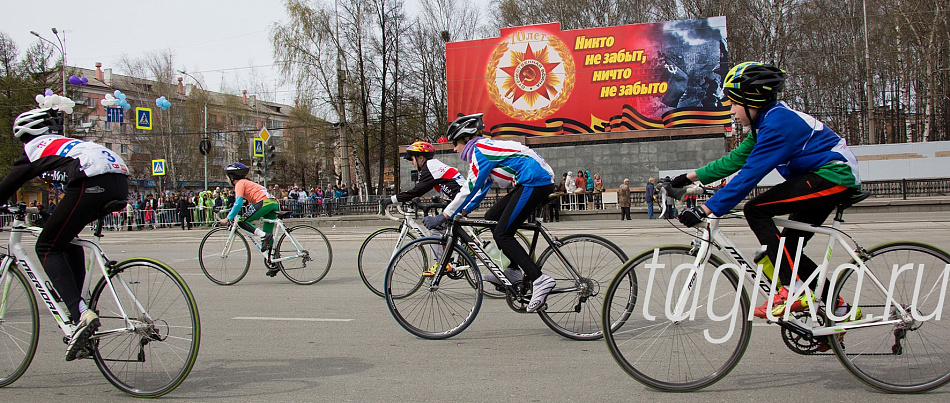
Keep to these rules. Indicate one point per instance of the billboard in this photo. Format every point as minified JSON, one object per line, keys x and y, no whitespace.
{"x":539,"y":81}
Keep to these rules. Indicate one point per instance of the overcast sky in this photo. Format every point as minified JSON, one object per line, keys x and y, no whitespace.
{"x":216,"y":41}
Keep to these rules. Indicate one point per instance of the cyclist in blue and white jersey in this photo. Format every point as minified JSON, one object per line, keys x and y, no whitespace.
{"x":508,"y":163}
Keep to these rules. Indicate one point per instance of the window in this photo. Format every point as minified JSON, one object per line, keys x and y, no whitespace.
{"x":107,"y":145}
{"x":123,"y":148}
{"x":108,"y":125}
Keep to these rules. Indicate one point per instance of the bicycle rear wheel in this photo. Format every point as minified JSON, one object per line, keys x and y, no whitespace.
{"x":576,"y":314}
{"x":912,"y":355}
{"x":312,"y":255}
{"x":153,"y":354}
{"x":426,"y":311}
{"x":375,"y":253}
{"x":676,"y":354}
{"x":224,"y":261}
{"x":19,"y":325}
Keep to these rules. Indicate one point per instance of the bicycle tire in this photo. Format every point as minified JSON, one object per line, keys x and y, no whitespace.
{"x":576,"y":315}
{"x":19,"y":324}
{"x":157,"y":355}
{"x":429,"y":313}
{"x":220,"y":268}
{"x":489,"y":290}
{"x":375,"y":253}
{"x":675,"y":355}
{"x":903,"y":357}
{"x":312,"y":262}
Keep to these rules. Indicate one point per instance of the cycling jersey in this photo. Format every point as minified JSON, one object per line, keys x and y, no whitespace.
{"x":58,"y":159}
{"x":789,"y":141}
{"x":507,"y":163}
{"x":435,"y":175}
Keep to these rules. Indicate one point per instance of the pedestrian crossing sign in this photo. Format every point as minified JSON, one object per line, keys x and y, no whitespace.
{"x":158,"y":167}
{"x":143,"y":118}
{"x":258,"y":147}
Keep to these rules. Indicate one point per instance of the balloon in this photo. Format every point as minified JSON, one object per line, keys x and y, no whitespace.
{"x":56,"y":99}
{"x":83,"y":81}
{"x":117,"y":93}
{"x":39,"y":99}
{"x":48,"y":92}
{"x":74,"y":80}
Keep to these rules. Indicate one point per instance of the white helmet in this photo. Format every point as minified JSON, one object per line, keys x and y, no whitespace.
{"x":36,"y":122}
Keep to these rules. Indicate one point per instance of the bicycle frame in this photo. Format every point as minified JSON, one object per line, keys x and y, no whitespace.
{"x":457,"y":234}
{"x":279,"y":229}
{"x":40,"y":282}
{"x":712,"y":234}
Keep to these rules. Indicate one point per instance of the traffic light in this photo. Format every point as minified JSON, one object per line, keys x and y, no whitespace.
{"x":269,"y":156}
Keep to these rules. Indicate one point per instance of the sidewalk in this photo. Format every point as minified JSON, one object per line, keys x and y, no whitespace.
{"x":870,"y":210}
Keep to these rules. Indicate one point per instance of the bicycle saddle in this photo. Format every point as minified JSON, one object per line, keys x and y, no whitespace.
{"x":112,"y":207}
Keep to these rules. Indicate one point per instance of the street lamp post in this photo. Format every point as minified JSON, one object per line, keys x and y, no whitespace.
{"x":62,"y":51}
{"x":205,"y":122}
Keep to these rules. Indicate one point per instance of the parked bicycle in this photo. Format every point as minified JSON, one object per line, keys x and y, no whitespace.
{"x":149,"y":330}
{"x":302,"y":253}
{"x":688,"y":325}
{"x":443,"y":305}
{"x":380,"y":246}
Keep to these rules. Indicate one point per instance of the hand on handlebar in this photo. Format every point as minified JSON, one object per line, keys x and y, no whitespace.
{"x":692,"y":216}
{"x":386,"y":201}
{"x":435,"y":221}
{"x":681,"y":181}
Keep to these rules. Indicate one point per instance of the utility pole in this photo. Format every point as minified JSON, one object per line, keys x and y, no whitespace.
{"x":870,"y":94}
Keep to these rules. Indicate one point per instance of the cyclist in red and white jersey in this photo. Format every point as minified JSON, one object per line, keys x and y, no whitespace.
{"x":92,"y":176}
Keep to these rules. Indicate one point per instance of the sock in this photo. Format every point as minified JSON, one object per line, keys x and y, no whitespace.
{"x":82,"y":307}
{"x":259,"y":232}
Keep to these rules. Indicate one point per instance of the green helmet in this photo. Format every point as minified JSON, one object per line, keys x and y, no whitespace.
{"x":754,"y":84}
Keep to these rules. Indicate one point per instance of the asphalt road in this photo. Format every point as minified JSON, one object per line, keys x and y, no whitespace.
{"x":336,"y":341}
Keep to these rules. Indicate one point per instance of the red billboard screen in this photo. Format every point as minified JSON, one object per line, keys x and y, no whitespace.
{"x":537,"y":80}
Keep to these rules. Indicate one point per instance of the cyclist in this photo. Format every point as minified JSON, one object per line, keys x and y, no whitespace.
{"x":261,"y":204}
{"x":820,"y":172}
{"x":507,"y":163}
{"x":93,"y":176}
{"x":433,"y":174}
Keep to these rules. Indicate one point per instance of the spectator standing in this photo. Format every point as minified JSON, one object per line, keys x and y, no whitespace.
{"x":650,"y":196}
{"x":598,"y":188}
{"x":623,"y":200}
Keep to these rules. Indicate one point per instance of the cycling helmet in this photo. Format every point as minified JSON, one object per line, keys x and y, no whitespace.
{"x":464,"y":126}
{"x":754,"y":84}
{"x":36,"y":122}
{"x":423,"y":148}
{"x":236,"y":170}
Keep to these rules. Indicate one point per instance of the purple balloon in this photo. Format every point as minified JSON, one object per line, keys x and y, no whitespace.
{"x":74,"y":80}
{"x":48,"y":92}
{"x":84,"y":81}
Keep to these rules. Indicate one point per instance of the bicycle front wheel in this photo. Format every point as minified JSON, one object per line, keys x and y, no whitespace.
{"x":224,"y":259}
{"x":375,"y":253}
{"x":19,"y":325}
{"x":913,"y":354}
{"x":152,"y":353}
{"x":575,"y":303}
{"x":665,"y":351}
{"x":427,"y":311}
{"x":309,"y":252}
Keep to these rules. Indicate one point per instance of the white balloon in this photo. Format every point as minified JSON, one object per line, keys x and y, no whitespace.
{"x":39,"y":99}
{"x":106,"y":102}
{"x":67,"y":110}
{"x":56,"y":99}
{"x":48,"y":102}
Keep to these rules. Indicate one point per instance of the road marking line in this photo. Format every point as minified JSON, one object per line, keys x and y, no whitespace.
{"x":292,"y":319}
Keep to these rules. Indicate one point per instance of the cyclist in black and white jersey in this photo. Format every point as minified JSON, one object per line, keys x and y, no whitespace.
{"x":433,"y":175}
{"x":93,"y":176}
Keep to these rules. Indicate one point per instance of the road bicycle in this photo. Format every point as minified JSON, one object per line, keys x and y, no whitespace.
{"x":443,"y":305}
{"x":380,"y":246}
{"x":302,"y":253}
{"x":690,"y":324}
{"x":149,"y":330}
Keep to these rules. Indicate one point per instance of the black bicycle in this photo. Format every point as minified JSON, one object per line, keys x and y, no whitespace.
{"x":443,"y":305}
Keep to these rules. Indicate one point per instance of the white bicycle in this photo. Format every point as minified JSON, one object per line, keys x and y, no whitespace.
{"x":149,"y":330}
{"x":302,"y":253}
{"x":690,"y":321}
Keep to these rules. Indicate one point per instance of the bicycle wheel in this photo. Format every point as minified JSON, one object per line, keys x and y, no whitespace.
{"x":669,"y":353}
{"x":224,"y":261}
{"x":153,"y":354}
{"x":19,"y":325}
{"x":490,"y":291}
{"x":426,"y":311}
{"x":575,"y":314}
{"x":374,"y":256}
{"x":912,"y":355}
{"x":311,"y":254}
